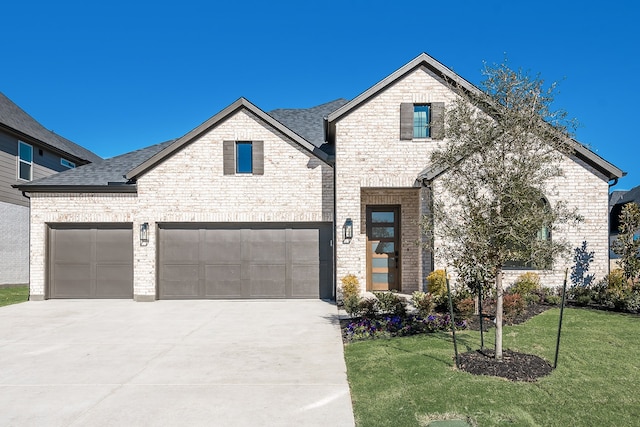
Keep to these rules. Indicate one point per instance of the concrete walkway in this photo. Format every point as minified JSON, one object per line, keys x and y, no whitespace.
{"x":172,"y":363}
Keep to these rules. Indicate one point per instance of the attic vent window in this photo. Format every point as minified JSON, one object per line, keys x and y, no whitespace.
{"x":67,"y":164}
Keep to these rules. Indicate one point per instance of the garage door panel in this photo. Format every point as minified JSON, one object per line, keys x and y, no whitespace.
{"x":72,"y":280}
{"x":304,"y":280}
{"x":268,"y":281}
{"x":223,"y":281}
{"x":112,"y":281}
{"x":180,"y":280}
{"x":73,"y":245}
{"x":90,"y":261}
{"x":114,"y":246}
{"x":222,"y":246}
{"x":249,"y":260}
{"x":268,"y":246}
{"x":181,"y":245}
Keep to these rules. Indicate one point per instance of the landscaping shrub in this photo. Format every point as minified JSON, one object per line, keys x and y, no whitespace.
{"x":351,"y":298}
{"x":553,"y":299}
{"x":526,"y":284}
{"x":423,"y":302}
{"x":391,"y":303}
{"x":368,"y":307}
{"x":513,"y":305}
{"x":465,"y":307}
{"x":437,"y":286}
{"x":393,"y":325}
{"x":350,"y":286}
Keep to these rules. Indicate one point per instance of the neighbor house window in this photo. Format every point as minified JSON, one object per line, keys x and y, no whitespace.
{"x":67,"y":164}
{"x":422,"y":121}
{"x":25,"y":161}
{"x":244,"y":157}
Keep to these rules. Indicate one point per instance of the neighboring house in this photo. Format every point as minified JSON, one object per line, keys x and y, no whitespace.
{"x":276,"y":205}
{"x":28,"y":152}
{"x":617,"y":200}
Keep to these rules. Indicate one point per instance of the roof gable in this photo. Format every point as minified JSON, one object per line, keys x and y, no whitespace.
{"x":16,"y":119}
{"x":424,"y":60}
{"x":227,"y":112}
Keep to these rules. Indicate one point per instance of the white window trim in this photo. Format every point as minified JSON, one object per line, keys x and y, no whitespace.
{"x":21,"y":143}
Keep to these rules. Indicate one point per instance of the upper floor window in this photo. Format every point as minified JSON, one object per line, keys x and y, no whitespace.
{"x":66,"y":163}
{"x":25,"y":161}
{"x":421,"y":121}
{"x":243,"y":157}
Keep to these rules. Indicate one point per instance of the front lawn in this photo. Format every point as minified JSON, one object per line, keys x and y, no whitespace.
{"x":408,"y":381}
{"x":13,"y":295}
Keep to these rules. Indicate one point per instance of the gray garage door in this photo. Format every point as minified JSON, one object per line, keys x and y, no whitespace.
{"x":91,"y":261}
{"x":245,"y":261}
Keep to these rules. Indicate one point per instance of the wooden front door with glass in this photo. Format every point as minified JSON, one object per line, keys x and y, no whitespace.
{"x":383,"y":248}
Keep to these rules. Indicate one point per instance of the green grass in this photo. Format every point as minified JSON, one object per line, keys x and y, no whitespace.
{"x":13,"y":295}
{"x":407,"y":381}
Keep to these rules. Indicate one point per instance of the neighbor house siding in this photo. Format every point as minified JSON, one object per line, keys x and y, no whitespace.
{"x":44,"y":164}
{"x":370,"y":154}
{"x":190,"y":186}
{"x":14,"y":244}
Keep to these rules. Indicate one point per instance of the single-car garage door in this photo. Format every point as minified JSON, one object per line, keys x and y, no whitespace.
{"x":211,"y":261}
{"x":90,"y":261}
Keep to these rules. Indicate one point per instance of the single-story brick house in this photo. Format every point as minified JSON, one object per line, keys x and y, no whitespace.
{"x":274,"y":205}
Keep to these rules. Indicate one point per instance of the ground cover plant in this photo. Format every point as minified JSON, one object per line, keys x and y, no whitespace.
{"x":407,"y":381}
{"x":13,"y":295}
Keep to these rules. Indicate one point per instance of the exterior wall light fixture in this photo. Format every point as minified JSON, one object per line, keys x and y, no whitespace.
{"x":144,"y":234}
{"x":348,"y":230}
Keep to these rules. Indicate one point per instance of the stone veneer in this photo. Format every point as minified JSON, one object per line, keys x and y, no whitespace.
{"x":189,"y":186}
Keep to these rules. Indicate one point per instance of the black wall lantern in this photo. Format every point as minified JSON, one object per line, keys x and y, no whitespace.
{"x":144,"y":234}
{"x":347,"y":230}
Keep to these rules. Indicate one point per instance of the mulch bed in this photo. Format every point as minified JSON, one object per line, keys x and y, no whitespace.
{"x":513,"y":366}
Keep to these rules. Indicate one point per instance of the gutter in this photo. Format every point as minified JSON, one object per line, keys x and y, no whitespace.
{"x":111,"y":188}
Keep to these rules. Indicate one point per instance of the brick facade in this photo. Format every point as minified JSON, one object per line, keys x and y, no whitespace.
{"x":374,"y":166}
{"x":190,"y":187}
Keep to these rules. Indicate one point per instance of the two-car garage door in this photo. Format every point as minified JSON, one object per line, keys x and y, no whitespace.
{"x":207,"y":261}
{"x":248,"y":260}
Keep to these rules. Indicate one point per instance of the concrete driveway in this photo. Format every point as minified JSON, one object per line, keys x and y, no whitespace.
{"x":172,"y":363}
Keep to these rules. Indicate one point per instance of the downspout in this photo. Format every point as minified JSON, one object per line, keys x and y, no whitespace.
{"x":615,"y":182}
{"x":24,"y":194}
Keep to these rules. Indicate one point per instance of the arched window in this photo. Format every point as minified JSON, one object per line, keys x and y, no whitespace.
{"x":543,"y":235}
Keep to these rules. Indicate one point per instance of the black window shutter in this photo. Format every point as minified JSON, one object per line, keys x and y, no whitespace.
{"x":406,"y":121}
{"x":258,"y":157}
{"x":229,"y":157}
{"x":437,"y":120}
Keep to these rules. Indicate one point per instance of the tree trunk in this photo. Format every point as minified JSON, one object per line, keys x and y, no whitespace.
{"x":499,"y":300}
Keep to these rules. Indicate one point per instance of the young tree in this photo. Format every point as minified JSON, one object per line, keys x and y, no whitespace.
{"x":627,"y":245}
{"x":504,"y":144}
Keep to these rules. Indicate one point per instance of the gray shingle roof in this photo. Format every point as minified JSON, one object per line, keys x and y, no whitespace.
{"x":101,"y":173}
{"x":17,"y":119}
{"x":308,"y":122}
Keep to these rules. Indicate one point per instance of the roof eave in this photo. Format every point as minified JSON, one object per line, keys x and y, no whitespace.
{"x":35,"y":141}
{"x":123,"y":188}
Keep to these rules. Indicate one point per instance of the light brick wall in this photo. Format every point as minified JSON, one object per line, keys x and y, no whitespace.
{"x":370,"y":154}
{"x":190,"y":187}
{"x":585,"y":190}
{"x":14,"y":244}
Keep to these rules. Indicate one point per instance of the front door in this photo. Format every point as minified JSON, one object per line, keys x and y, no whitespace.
{"x":383,"y":248}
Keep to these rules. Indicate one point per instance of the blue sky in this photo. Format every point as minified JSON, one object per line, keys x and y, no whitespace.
{"x":120,"y":75}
